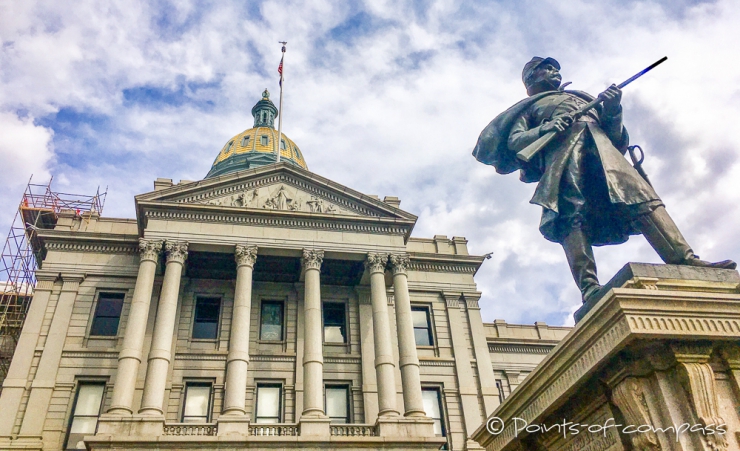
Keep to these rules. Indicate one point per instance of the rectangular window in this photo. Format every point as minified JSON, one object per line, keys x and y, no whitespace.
{"x":207,"y":312}
{"x":422,"y":326}
{"x":245,"y":141}
{"x":282,"y":144}
{"x":336,"y":403}
{"x":335,"y":323}
{"x":433,"y":408}
{"x":197,"y":405}
{"x":107,"y":314}
{"x":85,"y":413}
{"x":269,"y":403}
{"x":264,"y":140}
{"x":271,"y":321}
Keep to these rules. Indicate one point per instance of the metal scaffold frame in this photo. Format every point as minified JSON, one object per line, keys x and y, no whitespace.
{"x":23,"y":251}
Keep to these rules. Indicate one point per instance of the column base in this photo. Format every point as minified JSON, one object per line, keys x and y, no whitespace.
{"x":405,"y":427}
{"x":135,"y":425}
{"x":314,"y":427}
{"x":233,"y":425}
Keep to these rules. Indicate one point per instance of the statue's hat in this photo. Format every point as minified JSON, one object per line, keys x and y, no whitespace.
{"x":534,"y":63}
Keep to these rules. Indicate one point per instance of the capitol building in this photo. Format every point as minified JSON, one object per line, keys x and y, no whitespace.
{"x":263,"y":307}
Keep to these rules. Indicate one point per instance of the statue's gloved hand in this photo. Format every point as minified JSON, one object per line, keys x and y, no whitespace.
{"x":557,"y":125}
{"x":611,"y":98}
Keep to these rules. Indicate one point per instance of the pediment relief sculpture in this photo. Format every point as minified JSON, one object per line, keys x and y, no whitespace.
{"x":278,"y":197}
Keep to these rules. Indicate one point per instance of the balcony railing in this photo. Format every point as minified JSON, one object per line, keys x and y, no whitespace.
{"x":353,"y":430}
{"x":183,"y":429}
{"x":273,"y":429}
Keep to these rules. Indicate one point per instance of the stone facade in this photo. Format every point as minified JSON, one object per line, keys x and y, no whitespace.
{"x":208,"y":297}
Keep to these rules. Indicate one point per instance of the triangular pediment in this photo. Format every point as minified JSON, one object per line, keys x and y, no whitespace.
{"x":278,"y":188}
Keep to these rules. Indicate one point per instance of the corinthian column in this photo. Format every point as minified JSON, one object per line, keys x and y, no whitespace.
{"x":133,"y":339}
{"x":313,"y":360}
{"x":237,"y":360}
{"x":160,"y":353}
{"x":384,"y":366}
{"x":408,"y":359}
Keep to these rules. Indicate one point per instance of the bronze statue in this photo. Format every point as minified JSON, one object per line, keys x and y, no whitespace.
{"x":589,"y":193}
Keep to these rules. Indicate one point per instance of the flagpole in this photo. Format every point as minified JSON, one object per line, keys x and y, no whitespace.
{"x":280,"y":109}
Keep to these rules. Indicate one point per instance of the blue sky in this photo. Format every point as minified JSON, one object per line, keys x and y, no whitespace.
{"x":119,"y":93}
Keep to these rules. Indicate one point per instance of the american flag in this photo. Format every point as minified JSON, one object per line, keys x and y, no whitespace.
{"x":280,"y":71}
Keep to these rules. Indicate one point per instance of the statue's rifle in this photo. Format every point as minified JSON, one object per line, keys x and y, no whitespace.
{"x":531,"y":150}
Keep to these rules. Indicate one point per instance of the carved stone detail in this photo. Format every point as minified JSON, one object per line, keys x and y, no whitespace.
{"x":176,"y":251}
{"x":282,"y":200}
{"x":376,"y":262}
{"x":629,"y":396}
{"x":149,"y":249}
{"x":647,"y":283}
{"x":285,"y":198}
{"x":312,"y":259}
{"x":698,"y":380}
{"x":399,"y":263}
{"x":245,"y":254}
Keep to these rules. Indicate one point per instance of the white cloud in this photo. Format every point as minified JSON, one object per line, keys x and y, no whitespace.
{"x":404,"y":99}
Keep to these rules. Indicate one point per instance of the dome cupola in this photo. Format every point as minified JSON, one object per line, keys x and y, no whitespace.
{"x":257,"y":146}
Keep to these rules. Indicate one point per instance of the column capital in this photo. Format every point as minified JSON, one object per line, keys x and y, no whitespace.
{"x":149,"y":249}
{"x":176,"y":251}
{"x":245,"y":255}
{"x":312,"y":258}
{"x":399,"y":263}
{"x":376,"y":262}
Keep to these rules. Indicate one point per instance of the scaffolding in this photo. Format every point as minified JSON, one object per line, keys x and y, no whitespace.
{"x":23,"y":252}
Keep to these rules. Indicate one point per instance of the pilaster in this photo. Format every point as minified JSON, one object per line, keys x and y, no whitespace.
{"x":42,"y":386}
{"x":14,"y":385}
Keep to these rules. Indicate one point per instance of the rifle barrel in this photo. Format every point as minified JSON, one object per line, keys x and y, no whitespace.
{"x":641,"y":73}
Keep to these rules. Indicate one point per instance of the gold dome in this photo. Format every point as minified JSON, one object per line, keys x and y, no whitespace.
{"x":257,"y":146}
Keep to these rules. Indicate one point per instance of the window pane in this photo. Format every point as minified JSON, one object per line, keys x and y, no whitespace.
{"x":334,"y":323}
{"x":207,"y":312}
{"x":109,"y":305}
{"x":272,"y":321}
{"x":268,"y":404}
{"x":336,"y":404}
{"x":89,"y":398}
{"x":83,"y":425}
{"x":205,"y":330}
{"x":107,"y":314}
{"x":431,"y":403}
{"x":107,"y":327}
{"x":196,"y":400}
{"x":420,"y":318}
{"x":422,"y":337}
{"x":207,"y":309}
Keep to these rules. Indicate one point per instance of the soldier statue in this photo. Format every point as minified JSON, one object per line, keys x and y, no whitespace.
{"x":589,"y":193}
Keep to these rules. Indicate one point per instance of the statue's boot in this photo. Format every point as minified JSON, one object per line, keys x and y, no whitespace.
{"x":580,"y":257}
{"x":663,"y":234}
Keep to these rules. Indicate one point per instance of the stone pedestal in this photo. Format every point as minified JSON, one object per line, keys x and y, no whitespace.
{"x":653,"y":364}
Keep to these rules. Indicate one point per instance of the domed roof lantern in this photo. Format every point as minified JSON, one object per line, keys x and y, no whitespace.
{"x":257,"y":146}
{"x":264,"y":111}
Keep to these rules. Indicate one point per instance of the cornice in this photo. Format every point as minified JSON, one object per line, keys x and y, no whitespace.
{"x":104,"y":248}
{"x":465,"y":264}
{"x":272,"y":218}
